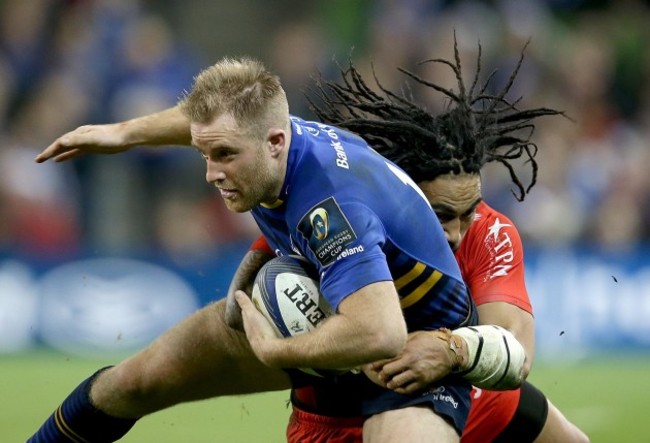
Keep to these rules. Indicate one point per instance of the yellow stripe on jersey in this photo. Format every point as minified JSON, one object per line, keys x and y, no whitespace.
{"x":410,"y":276}
{"x":421,"y":290}
{"x":65,"y":429}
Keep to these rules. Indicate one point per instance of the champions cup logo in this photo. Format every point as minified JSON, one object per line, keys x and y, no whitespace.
{"x":327,"y":231}
{"x":320,"y":223}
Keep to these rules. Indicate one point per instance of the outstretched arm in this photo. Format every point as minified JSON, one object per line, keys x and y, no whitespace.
{"x":168,"y":127}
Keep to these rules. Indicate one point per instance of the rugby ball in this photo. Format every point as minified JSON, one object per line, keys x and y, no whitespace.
{"x":286,"y":291}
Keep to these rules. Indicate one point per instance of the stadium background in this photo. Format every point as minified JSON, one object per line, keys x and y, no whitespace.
{"x":99,"y":255}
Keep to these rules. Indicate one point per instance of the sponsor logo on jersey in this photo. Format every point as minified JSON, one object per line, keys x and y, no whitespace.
{"x":350,"y":251}
{"x":341,"y":155}
{"x":327,"y":231}
{"x":499,"y":244}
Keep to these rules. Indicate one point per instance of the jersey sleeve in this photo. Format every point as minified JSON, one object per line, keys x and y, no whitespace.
{"x":345,"y":242}
{"x":491,"y":259}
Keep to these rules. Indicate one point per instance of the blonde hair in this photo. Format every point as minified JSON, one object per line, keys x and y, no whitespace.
{"x":245,"y":89}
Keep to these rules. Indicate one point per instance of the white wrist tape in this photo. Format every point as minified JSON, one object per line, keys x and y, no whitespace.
{"x":496,"y":358}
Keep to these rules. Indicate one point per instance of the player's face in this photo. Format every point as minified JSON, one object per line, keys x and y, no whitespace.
{"x":454,"y":199}
{"x":240,"y":165}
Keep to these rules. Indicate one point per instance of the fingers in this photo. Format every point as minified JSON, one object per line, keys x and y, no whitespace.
{"x":407,"y":382}
{"x":378,"y":365}
{"x":392,"y":369}
{"x":98,"y":139}
{"x":72,"y":153}
{"x":244,"y":302}
{"x":372,"y":375}
{"x":254,"y":322}
{"x":63,"y":148}
{"x":399,"y":380}
{"x":410,"y":388}
{"x":49,"y":152}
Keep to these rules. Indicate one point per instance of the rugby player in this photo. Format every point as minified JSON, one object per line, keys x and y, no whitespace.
{"x":444,"y":155}
{"x":284,"y":170}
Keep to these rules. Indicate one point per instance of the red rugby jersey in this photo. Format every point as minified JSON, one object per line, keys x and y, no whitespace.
{"x":491,"y":260}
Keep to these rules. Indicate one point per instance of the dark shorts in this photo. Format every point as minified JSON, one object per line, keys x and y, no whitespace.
{"x":529,"y":418}
{"x":449,"y":400}
{"x":356,"y":396}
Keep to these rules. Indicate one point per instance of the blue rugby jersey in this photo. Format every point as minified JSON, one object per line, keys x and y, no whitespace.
{"x":360,"y":219}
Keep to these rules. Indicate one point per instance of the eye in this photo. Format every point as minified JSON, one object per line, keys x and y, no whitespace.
{"x":222,"y":154}
{"x":444,"y":217}
{"x":468,"y":216}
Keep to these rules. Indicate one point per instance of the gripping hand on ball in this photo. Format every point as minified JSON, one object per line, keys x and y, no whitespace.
{"x":261,"y":334}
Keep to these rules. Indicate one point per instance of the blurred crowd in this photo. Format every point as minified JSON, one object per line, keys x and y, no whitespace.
{"x":69,"y":63}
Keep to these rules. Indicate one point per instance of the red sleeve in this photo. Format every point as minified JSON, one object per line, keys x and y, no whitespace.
{"x":261,"y":245}
{"x":491,"y":259}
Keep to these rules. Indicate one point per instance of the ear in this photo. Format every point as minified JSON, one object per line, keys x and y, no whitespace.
{"x":277,"y":141}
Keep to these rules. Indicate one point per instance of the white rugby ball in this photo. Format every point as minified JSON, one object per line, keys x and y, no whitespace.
{"x":286,"y":291}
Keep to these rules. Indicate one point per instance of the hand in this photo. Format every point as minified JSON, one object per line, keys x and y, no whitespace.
{"x":261,"y":335}
{"x":97,"y":139}
{"x":426,"y":358}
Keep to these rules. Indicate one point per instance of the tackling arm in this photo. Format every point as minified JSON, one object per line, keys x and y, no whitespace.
{"x":431,"y":355}
{"x":488,"y":356}
{"x":519,"y":322}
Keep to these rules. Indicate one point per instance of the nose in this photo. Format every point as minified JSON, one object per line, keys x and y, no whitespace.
{"x":213,"y":173}
{"x":452,"y":232}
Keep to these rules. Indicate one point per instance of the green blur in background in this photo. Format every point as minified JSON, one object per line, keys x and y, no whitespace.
{"x":606,"y":397}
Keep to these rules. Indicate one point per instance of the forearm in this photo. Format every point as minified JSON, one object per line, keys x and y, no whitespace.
{"x":168,"y":127}
{"x":369,"y":326}
{"x":338,"y":342}
{"x":516,"y":320}
{"x":488,"y":356}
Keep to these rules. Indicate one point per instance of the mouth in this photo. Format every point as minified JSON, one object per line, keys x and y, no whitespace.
{"x":228,"y":193}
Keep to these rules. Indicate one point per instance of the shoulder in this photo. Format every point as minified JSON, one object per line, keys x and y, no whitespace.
{"x":487,"y":213}
{"x":491,"y":258}
{"x":492,"y":237}
{"x":490,"y":223}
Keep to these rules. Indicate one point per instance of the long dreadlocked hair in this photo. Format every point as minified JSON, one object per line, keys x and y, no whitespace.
{"x":479,"y":129}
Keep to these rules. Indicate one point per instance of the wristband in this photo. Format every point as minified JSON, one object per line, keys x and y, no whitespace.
{"x":495,"y":357}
